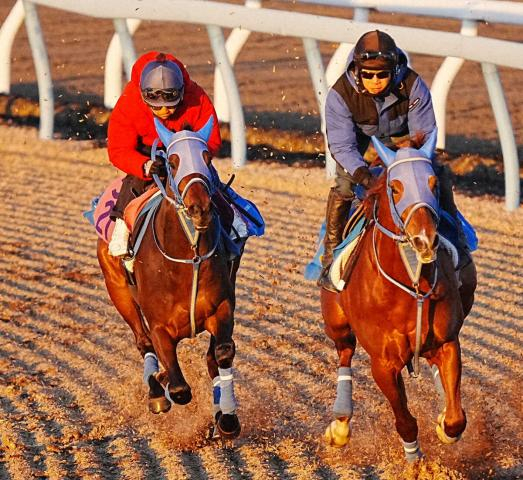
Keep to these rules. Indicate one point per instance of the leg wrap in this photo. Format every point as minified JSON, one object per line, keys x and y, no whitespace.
{"x":215,"y":395}
{"x":412,"y":450}
{"x":228,"y":402}
{"x":150,"y":366}
{"x":343,"y":404}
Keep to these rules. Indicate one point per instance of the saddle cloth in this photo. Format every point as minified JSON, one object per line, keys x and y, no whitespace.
{"x":240,"y":218}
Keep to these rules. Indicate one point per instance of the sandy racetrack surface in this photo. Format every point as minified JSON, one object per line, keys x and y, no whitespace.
{"x":72,"y":403}
{"x":71,"y":398}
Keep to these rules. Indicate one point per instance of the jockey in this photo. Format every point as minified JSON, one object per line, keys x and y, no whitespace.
{"x":159,"y":87}
{"x":377,"y":95}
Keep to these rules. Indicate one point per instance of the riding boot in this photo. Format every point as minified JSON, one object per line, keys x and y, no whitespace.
{"x":335,"y":218}
{"x":447,"y":203}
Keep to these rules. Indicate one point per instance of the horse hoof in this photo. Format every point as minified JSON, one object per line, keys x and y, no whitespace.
{"x":337,"y":433}
{"x":180,"y":395}
{"x":440,"y":430}
{"x":159,"y":405}
{"x":228,"y":426}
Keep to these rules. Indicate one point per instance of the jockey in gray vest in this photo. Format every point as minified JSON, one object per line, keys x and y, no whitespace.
{"x":377,"y":95}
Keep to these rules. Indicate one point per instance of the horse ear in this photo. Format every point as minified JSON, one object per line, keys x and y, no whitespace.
{"x":205,"y":131}
{"x":163,"y":132}
{"x":385,"y":153}
{"x":429,"y":147}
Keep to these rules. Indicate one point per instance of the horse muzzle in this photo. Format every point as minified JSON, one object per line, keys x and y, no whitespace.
{"x":426,"y":251}
{"x":200,"y":218}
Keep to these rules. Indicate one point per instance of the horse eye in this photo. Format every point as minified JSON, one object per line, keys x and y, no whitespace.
{"x":174,"y":161}
{"x":395,"y":187}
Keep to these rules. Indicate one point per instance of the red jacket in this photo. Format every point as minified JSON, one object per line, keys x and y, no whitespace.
{"x":131,"y":121}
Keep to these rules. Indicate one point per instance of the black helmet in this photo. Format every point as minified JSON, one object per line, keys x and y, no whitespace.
{"x":162,"y":83}
{"x":376,"y":50}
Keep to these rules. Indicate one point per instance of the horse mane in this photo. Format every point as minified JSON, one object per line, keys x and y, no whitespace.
{"x":372,"y":193}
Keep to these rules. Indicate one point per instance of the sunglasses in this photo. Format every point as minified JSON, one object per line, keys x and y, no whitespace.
{"x":381,"y":74}
{"x":168,"y":95}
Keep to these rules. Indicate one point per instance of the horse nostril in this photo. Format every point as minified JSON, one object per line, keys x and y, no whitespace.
{"x":419,"y":243}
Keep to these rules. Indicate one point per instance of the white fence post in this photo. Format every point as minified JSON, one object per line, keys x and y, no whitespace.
{"x":237,"y":123}
{"x":319,"y":82}
{"x":113,"y":63}
{"x":336,"y":67}
{"x":43,"y":70}
{"x":506,"y":135}
{"x":7,"y":35}
{"x":233,"y":46}
{"x":442,"y":82}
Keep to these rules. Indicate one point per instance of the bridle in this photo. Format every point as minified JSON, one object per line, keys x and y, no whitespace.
{"x":177,"y":201}
{"x":407,"y":252}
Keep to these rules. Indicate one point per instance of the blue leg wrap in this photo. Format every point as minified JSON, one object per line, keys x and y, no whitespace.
{"x":228,"y":402}
{"x":215,"y":395}
{"x":150,"y":366}
{"x":343,"y":404}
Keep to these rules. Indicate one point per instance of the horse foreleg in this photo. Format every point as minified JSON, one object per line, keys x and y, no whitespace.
{"x":121,"y":297}
{"x":176,"y":389}
{"x":452,"y":421}
{"x":390,"y":382}
{"x":212,"y":368}
{"x":220,"y":326}
{"x":338,"y":329}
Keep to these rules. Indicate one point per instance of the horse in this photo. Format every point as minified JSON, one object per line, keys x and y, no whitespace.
{"x":403,"y":300}
{"x":184,"y":282}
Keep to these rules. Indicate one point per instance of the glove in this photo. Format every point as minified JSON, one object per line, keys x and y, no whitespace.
{"x":156,"y":167}
{"x":362,"y":176}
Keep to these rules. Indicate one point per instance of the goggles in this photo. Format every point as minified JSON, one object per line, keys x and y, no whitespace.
{"x":373,"y":55}
{"x":367,"y":75}
{"x":169,"y":95}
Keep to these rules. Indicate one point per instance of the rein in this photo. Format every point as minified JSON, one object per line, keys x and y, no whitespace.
{"x":413,"y":291}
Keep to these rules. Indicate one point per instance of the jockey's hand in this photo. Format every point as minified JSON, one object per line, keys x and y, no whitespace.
{"x":156,"y":167}
{"x":362,"y":176}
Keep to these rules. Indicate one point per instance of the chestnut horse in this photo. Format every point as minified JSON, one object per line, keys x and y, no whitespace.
{"x":184,"y":282}
{"x":404,"y":299}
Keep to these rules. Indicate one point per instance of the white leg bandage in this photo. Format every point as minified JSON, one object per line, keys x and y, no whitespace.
{"x":150,"y":366}
{"x":343,"y":404}
{"x":228,"y":402}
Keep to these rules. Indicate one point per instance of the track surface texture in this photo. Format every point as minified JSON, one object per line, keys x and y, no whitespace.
{"x":72,"y":403}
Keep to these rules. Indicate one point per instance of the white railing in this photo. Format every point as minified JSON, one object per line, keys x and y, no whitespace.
{"x":311,"y":28}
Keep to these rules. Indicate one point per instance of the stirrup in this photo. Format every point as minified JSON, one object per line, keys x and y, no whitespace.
{"x":324,"y":281}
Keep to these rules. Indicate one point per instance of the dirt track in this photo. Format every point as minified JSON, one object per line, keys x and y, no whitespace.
{"x":71,"y":400}
{"x":72,"y":404}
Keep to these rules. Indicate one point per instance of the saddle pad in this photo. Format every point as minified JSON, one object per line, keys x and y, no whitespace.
{"x":343,"y":252}
{"x":102,"y":223}
{"x":135,"y":206}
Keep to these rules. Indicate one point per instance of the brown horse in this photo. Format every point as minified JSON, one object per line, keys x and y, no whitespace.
{"x":184,"y":282}
{"x":404,"y":299}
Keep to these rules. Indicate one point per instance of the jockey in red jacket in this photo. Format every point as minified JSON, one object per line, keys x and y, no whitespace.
{"x":159,"y":87}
